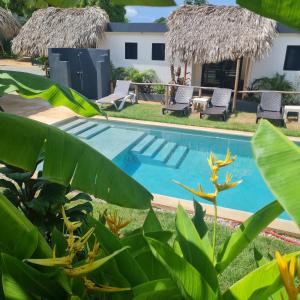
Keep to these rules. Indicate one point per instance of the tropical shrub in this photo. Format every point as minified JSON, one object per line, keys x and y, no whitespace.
{"x":158,"y":89}
{"x":277,"y":82}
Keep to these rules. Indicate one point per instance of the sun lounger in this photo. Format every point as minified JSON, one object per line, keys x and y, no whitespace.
{"x":121,"y":95}
{"x":183,"y":100}
{"x":270,"y":107}
{"x":219,"y":103}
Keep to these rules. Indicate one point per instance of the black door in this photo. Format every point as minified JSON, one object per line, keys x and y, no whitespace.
{"x":220,"y":75}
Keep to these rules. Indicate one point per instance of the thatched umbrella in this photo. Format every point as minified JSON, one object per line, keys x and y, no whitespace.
{"x":9,"y":26}
{"x":61,"y":28}
{"x":211,"y":34}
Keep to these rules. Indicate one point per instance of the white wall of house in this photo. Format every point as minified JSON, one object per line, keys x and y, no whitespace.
{"x":274,"y":62}
{"x":115,"y":41}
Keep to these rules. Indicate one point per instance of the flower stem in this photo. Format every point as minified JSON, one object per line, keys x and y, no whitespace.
{"x":215,"y":230}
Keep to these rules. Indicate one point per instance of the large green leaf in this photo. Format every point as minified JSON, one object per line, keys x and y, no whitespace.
{"x":194,"y":250}
{"x":160,"y":289}
{"x":19,"y":278}
{"x":127,"y":265}
{"x":18,"y":236}
{"x":259,"y":284}
{"x":151,"y":222}
{"x":285,"y":11}
{"x":34,"y":86}
{"x":68,"y":160}
{"x":190,"y":282}
{"x":145,"y":2}
{"x":278,"y":159}
{"x":246,"y":233}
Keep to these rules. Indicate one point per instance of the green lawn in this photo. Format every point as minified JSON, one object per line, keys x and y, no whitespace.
{"x":152,"y":112}
{"x":242,"y":264}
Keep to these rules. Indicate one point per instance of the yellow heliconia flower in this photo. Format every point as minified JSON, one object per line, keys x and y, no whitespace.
{"x":228,"y":184}
{"x":207,"y":196}
{"x":287,"y":273}
{"x":94,"y":252}
{"x":227,"y":161}
{"x":92,"y":287}
{"x":115,"y":222}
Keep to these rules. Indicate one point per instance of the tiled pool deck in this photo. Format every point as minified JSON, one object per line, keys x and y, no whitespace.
{"x":41,"y":111}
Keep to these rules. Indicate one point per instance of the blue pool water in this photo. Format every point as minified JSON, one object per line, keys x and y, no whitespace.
{"x":155,"y":156}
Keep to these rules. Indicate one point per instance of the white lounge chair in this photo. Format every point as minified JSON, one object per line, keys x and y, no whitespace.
{"x":121,"y":94}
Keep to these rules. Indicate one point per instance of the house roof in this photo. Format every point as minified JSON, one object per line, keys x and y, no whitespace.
{"x":210,"y":34}
{"x":281,"y":28}
{"x":136,"y":27}
{"x":9,"y":26}
{"x":60,"y":27}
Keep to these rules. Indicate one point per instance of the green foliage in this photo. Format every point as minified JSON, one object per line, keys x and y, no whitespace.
{"x":67,"y":161}
{"x":115,"y":12}
{"x":158,"y":89}
{"x":31,"y":86}
{"x":195,"y":2}
{"x":277,"y":82}
{"x":278,"y":160}
{"x":145,"y":2}
{"x":284,"y":11}
{"x":161,"y":20}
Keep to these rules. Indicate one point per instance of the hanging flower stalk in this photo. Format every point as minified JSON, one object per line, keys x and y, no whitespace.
{"x":215,"y":165}
{"x":91,"y":262}
{"x":115,"y":223}
{"x":287,"y":272}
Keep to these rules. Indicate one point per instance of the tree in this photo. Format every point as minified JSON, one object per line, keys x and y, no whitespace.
{"x":26,"y":8}
{"x":161,"y":20}
{"x":195,"y":2}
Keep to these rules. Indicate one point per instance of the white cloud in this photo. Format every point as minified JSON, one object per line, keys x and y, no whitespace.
{"x":131,"y":12}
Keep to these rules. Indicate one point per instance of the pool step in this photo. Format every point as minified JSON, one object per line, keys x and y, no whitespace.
{"x":72,"y":124}
{"x":81,"y":128}
{"x":164,"y":154}
{"x":177,"y":157}
{"x":154,"y":147}
{"x":91,"y":132}
{"x":143,"y":144}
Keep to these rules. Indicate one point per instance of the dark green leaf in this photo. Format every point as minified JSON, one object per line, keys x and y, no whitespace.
{"x":151,"y":222}
{"x":31,"y":281}
{"x":34,"y":86}
{"x":194,"y":249}
{"x":58,"y":241}
{"x":127,"y":265}
{"x":190,"y":282}
{"x":278,"y":159}
{"x":246,"y":233}
{"x":67,"y":161}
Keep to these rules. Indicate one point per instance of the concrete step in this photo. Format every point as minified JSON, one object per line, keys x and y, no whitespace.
{"x":88,"y":134}
{"x":177,"y":157}
{"x":166,"y":151}
{"x":81,"y":128}
{"x":143,"y":144}
{"x":72,"y":124}
{"x":151,"y":150}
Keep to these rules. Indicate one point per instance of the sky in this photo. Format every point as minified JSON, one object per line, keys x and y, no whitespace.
{"x":141,"y":14}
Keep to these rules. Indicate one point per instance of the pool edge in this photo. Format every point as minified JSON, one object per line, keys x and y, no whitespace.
{"x":278,"y":225}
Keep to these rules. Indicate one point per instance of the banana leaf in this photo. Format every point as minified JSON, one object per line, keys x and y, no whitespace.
{"x":284,"y":11}
{"x":246,"y":233}
{"x":278,"y":160}
{"x":68,"y":161}
{"x":18,"y":236}
{"x":260,"y":284}
{"x":31,"y":86}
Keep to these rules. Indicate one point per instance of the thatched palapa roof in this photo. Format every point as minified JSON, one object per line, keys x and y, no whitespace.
{"x":9,"y":26}
{"x":210,"y":34}
{"x":61,"y":28}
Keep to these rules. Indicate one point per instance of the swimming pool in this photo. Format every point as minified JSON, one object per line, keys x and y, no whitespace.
{"x":155,"y":156}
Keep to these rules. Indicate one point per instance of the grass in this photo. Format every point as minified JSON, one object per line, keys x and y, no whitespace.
{"x":242,"y":265}
{"x":152,"y":112}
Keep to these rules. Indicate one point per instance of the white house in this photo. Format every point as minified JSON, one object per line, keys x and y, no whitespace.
{"x":142,"y":45}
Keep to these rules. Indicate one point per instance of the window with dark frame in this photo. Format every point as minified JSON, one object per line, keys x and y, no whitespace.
{"x":292,"y":58}
{"x":158,"y":51}
{"x":131,"y":50}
